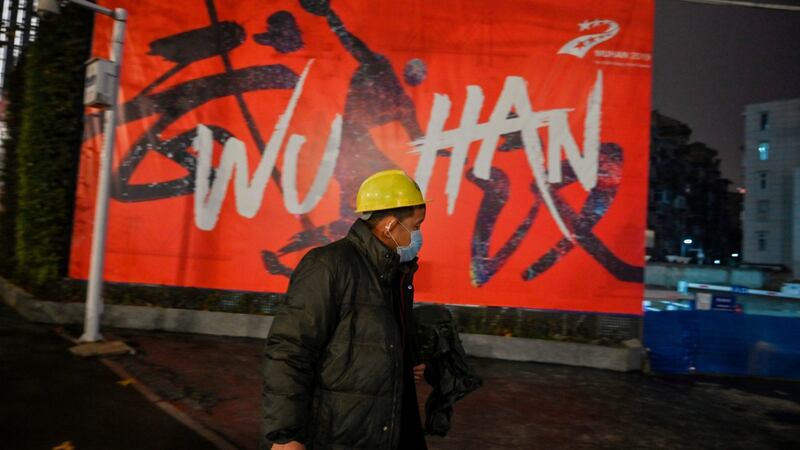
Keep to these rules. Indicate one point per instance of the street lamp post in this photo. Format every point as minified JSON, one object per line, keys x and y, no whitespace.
{"x":94,"y":301}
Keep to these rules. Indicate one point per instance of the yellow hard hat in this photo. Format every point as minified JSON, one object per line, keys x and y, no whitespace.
{"x":388,"y":189}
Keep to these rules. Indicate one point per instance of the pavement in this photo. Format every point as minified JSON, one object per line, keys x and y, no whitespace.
{"x":50,"y":397}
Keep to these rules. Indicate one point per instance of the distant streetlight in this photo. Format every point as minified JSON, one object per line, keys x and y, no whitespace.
{"x":734,"y":255}
{"x":95,"y":96}
{"x":687,"y":241}
{"x":716,"y":261}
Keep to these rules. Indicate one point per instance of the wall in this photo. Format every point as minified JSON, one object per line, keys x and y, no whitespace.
{"x":668,"y":275}
{"x":721,"y":342}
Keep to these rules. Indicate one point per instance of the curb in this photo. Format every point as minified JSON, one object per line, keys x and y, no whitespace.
{"x":138,"y":317}
{"x":165,"y":405}
{"x":216,"y":439}
{"x":255,"y":326}
{"x":553,"y":352}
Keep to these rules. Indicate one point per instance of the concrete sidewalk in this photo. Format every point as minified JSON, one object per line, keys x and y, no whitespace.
{"x":521,"y":406}
{"x":50,"y":397}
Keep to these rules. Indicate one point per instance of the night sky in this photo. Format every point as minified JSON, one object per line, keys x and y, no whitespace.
{"x":711,"y":61}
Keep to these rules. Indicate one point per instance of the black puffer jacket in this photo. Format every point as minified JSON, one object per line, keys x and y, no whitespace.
{"x":334,"y":355}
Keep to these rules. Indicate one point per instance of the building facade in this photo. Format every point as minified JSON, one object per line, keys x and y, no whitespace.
{"x":690,"y":211}
{"x":771,"y":160}
{"x":18,"y":26}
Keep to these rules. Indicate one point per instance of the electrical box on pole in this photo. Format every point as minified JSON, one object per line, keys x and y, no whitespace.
{"x":100,"y":83}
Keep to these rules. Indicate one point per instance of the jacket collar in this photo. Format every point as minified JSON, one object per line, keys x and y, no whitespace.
{"x":385,"y":261}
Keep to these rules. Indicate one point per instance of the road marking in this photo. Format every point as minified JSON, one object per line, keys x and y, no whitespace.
{"x":126,"y":382}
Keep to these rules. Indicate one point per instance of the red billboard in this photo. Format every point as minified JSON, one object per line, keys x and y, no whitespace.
{"x":245,"y":128}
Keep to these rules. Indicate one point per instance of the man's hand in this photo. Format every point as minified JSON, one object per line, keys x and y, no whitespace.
{"x":419,"y":371}
{"x":294,"y":445}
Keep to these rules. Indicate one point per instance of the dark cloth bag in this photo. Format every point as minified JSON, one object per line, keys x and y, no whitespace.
{"x":447,"y":370}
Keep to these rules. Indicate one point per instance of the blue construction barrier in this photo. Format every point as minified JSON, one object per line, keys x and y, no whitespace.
{"x":723,"y":342}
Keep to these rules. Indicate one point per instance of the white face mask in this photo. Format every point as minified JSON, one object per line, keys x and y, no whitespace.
{"x":410,"y":251}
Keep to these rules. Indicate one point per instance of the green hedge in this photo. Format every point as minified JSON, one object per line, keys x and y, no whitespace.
{"x":47,"y":151}
{"x":14,"y":94}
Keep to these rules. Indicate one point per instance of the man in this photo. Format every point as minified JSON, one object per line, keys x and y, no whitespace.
{"x":340,"y":360}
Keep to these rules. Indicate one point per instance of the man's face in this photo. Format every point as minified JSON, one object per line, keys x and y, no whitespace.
{"x":411,"y":223}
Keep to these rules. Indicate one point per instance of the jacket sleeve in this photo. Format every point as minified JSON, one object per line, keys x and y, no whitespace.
{"x":300,"y":330}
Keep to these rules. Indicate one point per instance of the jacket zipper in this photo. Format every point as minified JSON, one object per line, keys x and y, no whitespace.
{"x":402,"y":349}
{"x":402,"y":313}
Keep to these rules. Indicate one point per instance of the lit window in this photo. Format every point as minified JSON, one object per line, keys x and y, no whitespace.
{"x":764,"y":121}
{"x":763,"y":151}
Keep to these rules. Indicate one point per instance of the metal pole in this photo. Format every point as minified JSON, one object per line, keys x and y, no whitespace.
{"x":99,"y":9}
{"x":94,"y":301}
